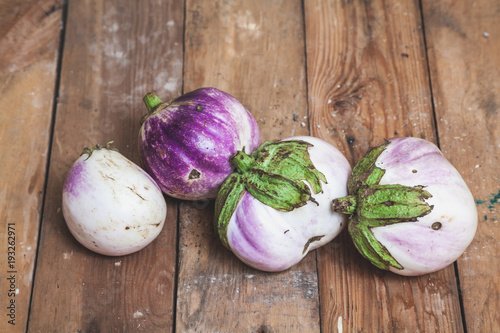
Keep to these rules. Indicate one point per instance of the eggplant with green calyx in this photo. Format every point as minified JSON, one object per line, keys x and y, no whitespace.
{"x":276,"y":207}
{"x":410,"y":210}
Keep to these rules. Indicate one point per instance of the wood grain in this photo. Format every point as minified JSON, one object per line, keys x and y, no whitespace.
{"x":370,"y":75}
{"x":28,"y":79}
{"x":463,"y":41}
{"x":114,"y":53}
{"x":368,"y":80}
{"x":253,"y":50}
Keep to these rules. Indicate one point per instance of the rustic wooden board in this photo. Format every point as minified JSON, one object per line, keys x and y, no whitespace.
{"x":253,"y":50}
{"x":463,"y":41}
{"x":368,"y":80}
{"x":114,"y":52}
{"x":28,"y":79}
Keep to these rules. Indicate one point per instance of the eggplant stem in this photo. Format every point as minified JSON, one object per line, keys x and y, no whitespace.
{"x":90,"y":150}
{"x":242,"y":161}
{"x":151,"y":101}
{"x":346,"y":205}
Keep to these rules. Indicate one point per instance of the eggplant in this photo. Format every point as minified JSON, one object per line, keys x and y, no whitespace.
{"x":277,"y":206}
{"x":410,"y":210}
{"x":110,"y":205}
{"x":186,"y":143}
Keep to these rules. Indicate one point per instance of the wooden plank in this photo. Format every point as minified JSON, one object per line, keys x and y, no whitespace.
{"x":253,"y":50}
{"x":368,"y":80}
{"x":28,"y":79}
{"x":114,"y":52}
{"x":463,"y":41}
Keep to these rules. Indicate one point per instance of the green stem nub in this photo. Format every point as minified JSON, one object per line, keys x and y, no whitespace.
{"x":242,"y":161}
{"x":346,"y":205}
{"x":90,"y":150}
{"x":151,"y":101}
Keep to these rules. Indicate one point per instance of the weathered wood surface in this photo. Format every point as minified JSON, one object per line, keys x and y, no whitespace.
{"x":27,"y":82}
{"x":463,"y":42}
{"x":349,"y":72}
{"x":257,"y":55}
{"x":367,"y":75}
{"x":114,"y":52}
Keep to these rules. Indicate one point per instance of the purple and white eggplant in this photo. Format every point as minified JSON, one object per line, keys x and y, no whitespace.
{"x":412,"y":212}
{"x":112,"y":206}
{"x":186,"y":143}
{"x":277,"y":207}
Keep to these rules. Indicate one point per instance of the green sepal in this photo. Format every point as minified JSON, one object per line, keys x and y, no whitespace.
{"x":378,"y":206}
{"x":365,"y":172}
{"x":291,"y":160}
{"x":276,"y":191}
{"x":369,"y":246}
{"x":399,"y":202}
{"x":230,"y":193}
{"x":276,"y":174}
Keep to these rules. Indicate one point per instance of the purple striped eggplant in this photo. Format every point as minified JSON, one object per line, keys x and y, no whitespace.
{"x":186,"y":143}
{"x":410,"y":210}
{"x":277,"y":206}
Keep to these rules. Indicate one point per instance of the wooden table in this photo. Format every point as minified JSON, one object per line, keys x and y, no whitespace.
{"x":349,"y":72}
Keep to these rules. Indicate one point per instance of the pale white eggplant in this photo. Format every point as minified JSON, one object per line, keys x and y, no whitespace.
{"x":112,"y":206}
{"x":411,"y":211}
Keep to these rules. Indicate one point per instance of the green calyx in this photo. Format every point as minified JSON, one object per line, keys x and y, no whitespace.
{"x":370,"y":205}
{"x":275,"y":174}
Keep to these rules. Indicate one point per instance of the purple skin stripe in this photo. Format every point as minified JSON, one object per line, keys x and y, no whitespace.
{"x":408,"y":154}
{"x":261,"y":244}
{"x":181,"y":139}
{"x":76,"y":179}
{"x":428,"y":248}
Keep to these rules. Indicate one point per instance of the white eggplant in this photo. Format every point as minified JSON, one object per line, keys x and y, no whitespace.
{"x":112,"y":206}
{"x":412,"y":212}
